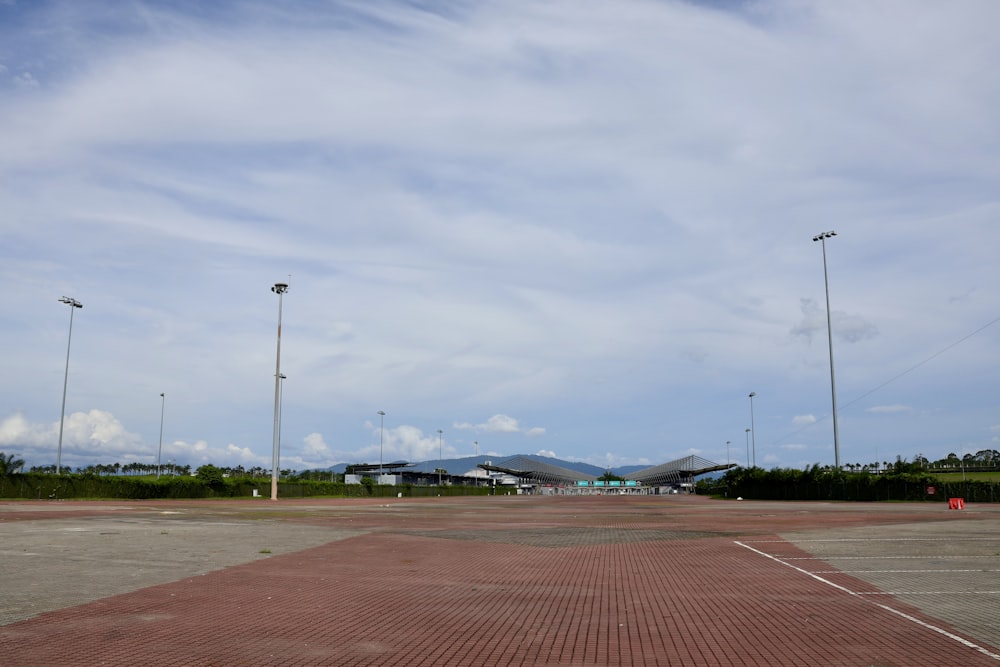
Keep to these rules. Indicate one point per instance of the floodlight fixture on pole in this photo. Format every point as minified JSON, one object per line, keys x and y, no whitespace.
{"x":753,"y":430}
{"x":159,"y":450}
{"x":279,"y":289}
{"x":73,"y":305}
{"x":829,"y":336}
{"x":381,"y":429}
{"x":440,"y":456}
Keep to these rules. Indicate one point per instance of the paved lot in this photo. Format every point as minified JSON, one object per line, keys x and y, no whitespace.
{"x":614,"y":580}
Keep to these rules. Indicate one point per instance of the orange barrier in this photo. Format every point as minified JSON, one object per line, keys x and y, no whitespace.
{"x":956,"y":503}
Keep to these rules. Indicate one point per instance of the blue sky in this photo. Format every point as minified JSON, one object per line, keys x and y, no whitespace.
{"x":582,"y":229}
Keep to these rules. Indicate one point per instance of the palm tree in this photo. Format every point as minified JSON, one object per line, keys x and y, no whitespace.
{"x":10,"y":465}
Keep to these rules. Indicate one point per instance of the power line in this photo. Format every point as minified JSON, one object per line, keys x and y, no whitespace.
{"x":916,"y":366}
{"x":893,"y":378}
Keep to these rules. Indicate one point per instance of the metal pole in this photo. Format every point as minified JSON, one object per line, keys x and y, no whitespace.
{"x":73,"y":305}
{"x":281,"y":406}
{"x":279,"y":289}
{"x":727,"y":454}
{"x":748,"y":448}
{"x":381,"y":428}
{"x":829,"y":336}
{"x":159,"y":451}
{"x":753,"y":430}
{"x":440,"y":457}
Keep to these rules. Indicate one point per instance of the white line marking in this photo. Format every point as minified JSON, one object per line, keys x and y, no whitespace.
{"x":882,"y":539}
{"x":929,"y":593}
{"x":881,"y":557}
{"x":897,"y":571}
{"x":934,"y":628}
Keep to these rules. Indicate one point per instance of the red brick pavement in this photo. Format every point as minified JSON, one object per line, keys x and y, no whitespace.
{"x":448,"y":583}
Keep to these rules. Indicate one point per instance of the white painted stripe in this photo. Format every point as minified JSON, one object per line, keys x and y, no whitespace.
{"x":917,"y":621}
{"x":879,"y":539}
{"x":880,"y":557}
{"x":929,"y":593}
{"x":897,"y":571}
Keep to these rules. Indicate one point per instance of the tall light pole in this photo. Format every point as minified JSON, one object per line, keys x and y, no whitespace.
{"x":159,"y":451}
{"x":73,"y":305}
{"x":748,"y":448}
{"x":381,"y":428}
{"x":727,"y":454}
{"x":440,"y":456}
{"x":753,"y":430}
{"x":281,"y":405}
{"x":476,"y":444}
{"x":829,"y":336}
{"x":279,"y":289}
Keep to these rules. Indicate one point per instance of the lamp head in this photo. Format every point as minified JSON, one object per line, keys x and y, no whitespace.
{"x":280,"y":288}
{"x":752,"y":394}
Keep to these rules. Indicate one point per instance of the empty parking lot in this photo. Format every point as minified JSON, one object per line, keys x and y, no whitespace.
{"x":618,"y":580}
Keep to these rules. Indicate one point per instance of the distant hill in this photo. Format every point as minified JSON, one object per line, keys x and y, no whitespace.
{"x":460,"y":466}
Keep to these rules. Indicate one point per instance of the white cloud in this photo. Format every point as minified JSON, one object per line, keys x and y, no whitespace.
{"x":597,"y":213}
{"x":84,"y":435}
{"x":25,"y":80}
{"x":800,"y":420}
{"x":500,"y":424}
{"x":889,"y":409}
{"x":314,"y":446}
{"x":848,"y":328}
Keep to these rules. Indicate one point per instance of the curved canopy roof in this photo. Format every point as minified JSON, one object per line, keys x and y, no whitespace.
{"x":676,"y":471}
{"x":537,"y":471}
{"x":673,"y":472}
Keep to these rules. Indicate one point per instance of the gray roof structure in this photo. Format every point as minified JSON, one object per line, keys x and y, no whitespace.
{"x":674,"y":472}
{"x":536,"y":471}
{"x":677,"y":471}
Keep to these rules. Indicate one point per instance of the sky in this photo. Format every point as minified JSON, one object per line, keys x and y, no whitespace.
{"x":572,"y":228}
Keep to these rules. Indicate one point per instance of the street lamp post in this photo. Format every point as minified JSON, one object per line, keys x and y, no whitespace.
{"x":727,"y":454}
{"x":73,"y":305}
{"x":381,"y":428}
{"x":159,"y":451}
{"x":753,"y":430}
{"x":281,"y":405}
{"x":829,"y":336}
{"x":440,"y":456}
{"x":279,"y":289}
{"x":748,"y":448}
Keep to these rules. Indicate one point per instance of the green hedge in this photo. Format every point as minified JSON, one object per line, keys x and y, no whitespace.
{"x":824,"y":484}
{"x":41,"y":486}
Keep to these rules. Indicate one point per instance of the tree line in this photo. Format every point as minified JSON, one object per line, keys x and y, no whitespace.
{"x":901,"y":480}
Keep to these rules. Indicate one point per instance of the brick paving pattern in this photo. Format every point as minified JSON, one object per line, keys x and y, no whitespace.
{"x":612,"y":580}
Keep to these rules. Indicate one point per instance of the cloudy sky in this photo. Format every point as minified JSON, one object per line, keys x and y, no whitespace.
{"x":572,"y":227}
